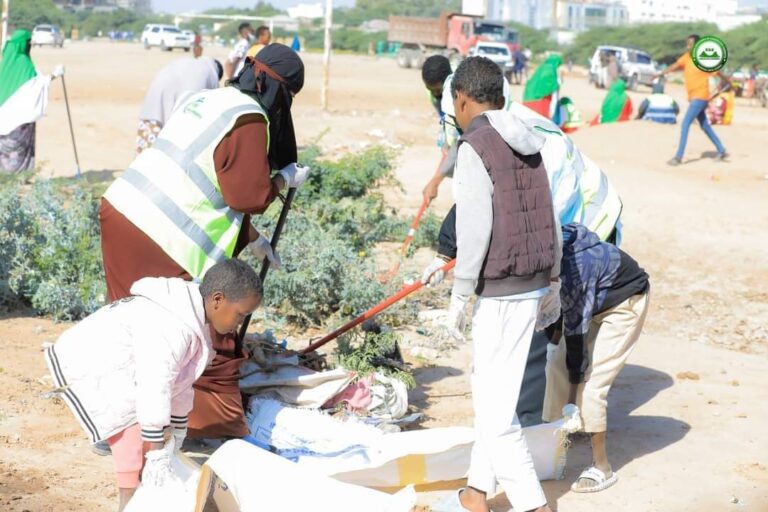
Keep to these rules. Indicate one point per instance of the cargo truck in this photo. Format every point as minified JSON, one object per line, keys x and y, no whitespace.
{"x":452,"y":35}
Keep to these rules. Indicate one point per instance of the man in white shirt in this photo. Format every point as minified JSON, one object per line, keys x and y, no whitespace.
{"x":236,"y":58}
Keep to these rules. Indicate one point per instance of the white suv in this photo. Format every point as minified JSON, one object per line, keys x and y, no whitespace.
{"x":636,"y":66}
{"x":167,"y":37}
{"x":47,"y":35}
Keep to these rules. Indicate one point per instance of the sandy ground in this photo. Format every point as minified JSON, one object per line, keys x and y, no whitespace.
{"x":678,"y":443}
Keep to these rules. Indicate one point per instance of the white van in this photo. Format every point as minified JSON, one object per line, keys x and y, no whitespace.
{"x":635,"y":66}
{"x":167,"y":37}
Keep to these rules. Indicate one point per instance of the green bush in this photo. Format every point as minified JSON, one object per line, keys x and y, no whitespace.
{"x":50,"y":254}
{"x":367,"y":352}
{"x":50,"y":250}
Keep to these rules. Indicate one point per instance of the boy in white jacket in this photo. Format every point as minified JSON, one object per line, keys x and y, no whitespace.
{"x":127,"y":370}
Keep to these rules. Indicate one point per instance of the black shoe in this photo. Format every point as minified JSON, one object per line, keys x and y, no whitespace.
{"x":722,"y":157}
{"x":674,"y":161}
{"x":102,"y":449}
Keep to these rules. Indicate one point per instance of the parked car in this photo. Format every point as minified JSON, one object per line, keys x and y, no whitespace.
{"x":498,"y":53}
{"x":166,"y":37}
{"x":47,"y":35}
{"x":636,"y":66}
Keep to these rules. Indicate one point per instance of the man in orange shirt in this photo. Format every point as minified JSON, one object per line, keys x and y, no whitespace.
{"x":697,"y":85}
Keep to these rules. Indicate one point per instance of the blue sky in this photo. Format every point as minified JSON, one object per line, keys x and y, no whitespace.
{"x":175,"y":6}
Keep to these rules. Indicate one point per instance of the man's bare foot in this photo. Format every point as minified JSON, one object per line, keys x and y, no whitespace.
{"x":473,"y":500}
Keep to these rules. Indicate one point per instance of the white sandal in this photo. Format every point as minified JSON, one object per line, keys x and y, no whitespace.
{"x":596,"y":475}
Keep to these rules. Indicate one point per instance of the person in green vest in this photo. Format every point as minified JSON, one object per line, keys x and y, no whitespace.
{"x":185,"y":204}
{"x":541,"y":92}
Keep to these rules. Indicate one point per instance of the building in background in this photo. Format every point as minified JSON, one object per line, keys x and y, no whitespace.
{"x":658,"y":11}
{"x":140,"y":6}
{"x":565,"y":18}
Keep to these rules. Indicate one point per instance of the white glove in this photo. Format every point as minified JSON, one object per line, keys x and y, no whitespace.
{"x":157,"y":471}
{"x":294,"y":175}
{"x":433,"y":275}
{"x":58,"y":71}
{"x":179,"y":435}
{"x":457,"y":319}
{"x":261,"y":248}
{"x":549,"y":307}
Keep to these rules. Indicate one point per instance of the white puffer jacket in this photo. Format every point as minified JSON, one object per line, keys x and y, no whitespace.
{"x":135,"y":360}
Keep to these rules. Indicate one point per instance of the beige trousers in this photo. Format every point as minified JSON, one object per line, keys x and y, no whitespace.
{"x":612,"y":336}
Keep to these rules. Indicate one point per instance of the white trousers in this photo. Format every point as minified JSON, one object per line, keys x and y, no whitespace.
{"x":501,"y":334}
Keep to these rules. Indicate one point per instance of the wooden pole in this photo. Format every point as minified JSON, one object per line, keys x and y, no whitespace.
{"x":4,"y":28}
{"x":326,"y":54}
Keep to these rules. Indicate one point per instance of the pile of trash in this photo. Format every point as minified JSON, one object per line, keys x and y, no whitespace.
{"x":345,"y":438}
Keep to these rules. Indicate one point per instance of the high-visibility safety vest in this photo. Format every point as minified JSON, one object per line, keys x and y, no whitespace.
{"x":580,"y":190}
{"x":171,"y":192}
{"x":661,"y":108}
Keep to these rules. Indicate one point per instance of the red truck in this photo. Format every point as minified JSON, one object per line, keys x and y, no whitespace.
{"x":452,"y":35}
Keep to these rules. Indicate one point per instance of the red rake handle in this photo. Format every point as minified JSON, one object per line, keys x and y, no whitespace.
{"x":375,"y":310}
{"x":407,"y":242}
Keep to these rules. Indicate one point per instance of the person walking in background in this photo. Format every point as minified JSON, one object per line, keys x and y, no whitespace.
{"x":542,"y":89}
{"x":617,"y":105}
{"x":604,"y":300}
{"x":697,"y":86}
{"x":659,"y":107}
{"x":23,"y":100}
{"x":184,"y":75}
{"x":263,"y":38}
{"x":519,"y":67}
{"x":197,"y":45}
{"x":236,"y":58}
{"x":613,"y":70}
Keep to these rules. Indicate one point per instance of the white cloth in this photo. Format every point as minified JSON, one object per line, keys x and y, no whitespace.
{"x":26,"y":105}
{"x":135,"y":360}
{"x":294,"y":384}
{"x":237,"y":462}
{"x":184,"y":75}
{"x":501,"y":334}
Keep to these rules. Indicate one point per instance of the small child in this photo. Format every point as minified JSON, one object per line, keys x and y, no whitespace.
{"x":127,"y":370}
{"x":604,"y":300}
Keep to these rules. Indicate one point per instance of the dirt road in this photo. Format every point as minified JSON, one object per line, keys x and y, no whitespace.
{"x":685,"y":416}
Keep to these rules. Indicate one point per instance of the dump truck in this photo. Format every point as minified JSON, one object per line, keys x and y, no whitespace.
{"x":452,"y":35}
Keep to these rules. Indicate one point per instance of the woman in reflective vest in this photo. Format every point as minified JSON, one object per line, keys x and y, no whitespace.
{"x":185,"y":203}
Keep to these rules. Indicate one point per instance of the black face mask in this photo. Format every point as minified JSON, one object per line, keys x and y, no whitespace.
{"x":272,"y":79}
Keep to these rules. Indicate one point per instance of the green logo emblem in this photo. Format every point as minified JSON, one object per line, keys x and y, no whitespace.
{"x":709,"y":54}
{"x":191,"y":107}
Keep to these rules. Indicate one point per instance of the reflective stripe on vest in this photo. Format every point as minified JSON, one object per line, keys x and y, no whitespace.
{"x":602,"y":205}
{"x":661,"y":108}
{"x":171,"y":191}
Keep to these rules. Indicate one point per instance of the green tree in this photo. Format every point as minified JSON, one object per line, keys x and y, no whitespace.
{"x":28,"y":13}
{"x":538,"y":41}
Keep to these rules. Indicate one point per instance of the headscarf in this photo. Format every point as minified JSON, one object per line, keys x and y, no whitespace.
{"x":16,"y":68}
{"x":544,"y":80}
{"x":273,"y":77}
{"x":614,"y":101}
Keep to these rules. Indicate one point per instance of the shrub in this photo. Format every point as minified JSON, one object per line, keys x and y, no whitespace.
{"x":51,"y":250}
{"x":368,"y":352}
